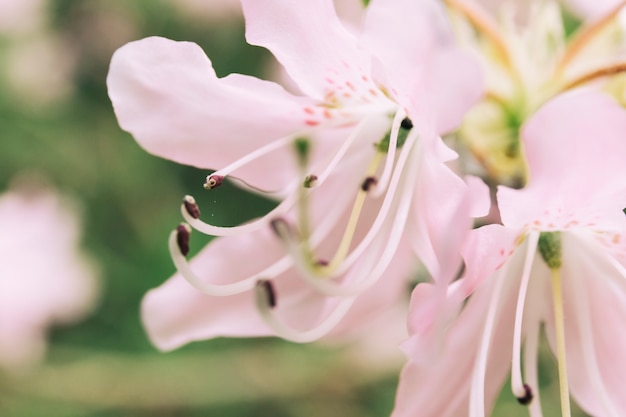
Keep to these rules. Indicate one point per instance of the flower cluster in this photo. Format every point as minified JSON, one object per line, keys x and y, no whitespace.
{"x":367,"y":190}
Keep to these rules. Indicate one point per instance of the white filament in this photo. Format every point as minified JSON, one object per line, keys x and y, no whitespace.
{"x":300,"y":336}
{"x":517,"y":383}
{"x":391,"y":155}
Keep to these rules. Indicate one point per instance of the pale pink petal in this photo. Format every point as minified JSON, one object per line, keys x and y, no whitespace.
{"x":575,"y":150}
{"x":308,"y":39}
{"x":442,"y":209}
{"x":415,"y":45}
{"x":167,"y":95}
{"x":592,"y":293}
{"x":441,"y":387}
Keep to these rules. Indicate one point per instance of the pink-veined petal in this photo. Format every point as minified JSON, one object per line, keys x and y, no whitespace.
{"x":576,"y":165}
{"x":428,"y":389}
{"x":167,"y":95}
{"x":308,"y":39}
{"x":415,"y":46}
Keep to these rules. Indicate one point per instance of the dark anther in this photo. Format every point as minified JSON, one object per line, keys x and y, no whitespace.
{"x":281,"y":228}
{"x":268,"y":288}
{"x":322,"y":262}
{"x":310,"y":181}
{"x":528,"y":396}
{"x":183,"y":231}
{"x":191,"y":206}
{"x":213,"y":181}
{"x":406,"y":124}
{"x":368,"y":183}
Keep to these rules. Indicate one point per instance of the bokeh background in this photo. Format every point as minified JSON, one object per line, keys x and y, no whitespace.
{"x":57,"y":124}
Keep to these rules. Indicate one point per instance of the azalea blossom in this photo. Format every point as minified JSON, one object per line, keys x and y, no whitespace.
{"x":45,"y":279}
{"x":556,"y":262}
{"x":356,"y":162}
{"x":526,"y":64}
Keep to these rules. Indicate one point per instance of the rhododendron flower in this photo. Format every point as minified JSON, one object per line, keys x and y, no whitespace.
{"x":356,"y":161}
{"x":556,"y":262}
{"x":526,"y":64}
{"x":44,"y":277}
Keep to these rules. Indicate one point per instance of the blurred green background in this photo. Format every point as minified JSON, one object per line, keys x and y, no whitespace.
{"x":59,"y":123}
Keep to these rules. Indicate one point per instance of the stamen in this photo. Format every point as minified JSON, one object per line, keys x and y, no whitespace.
{"x":266,"y":301}
{"x":257,"y":153}
{"x":531,"y":353}
{"x":220,"y":290}
{"x":265,"y":286}
{"x":282,"y":229}
{"x":398,"y":119}
{"x":518,"y":387}
{"x":477,"y":391}
{"x":191,"y":206}
{"x":406,"y":124}
{"x":310,"y":181}
{"x":559,"y":329}
{"x":344,"y":245}
{"x":584,"y":37}
{"x":213,"y":181}
{"x":527,"y":397}
{"x":368,"y":183}
{"x":183,"y":232}
{"x":249,"y":227}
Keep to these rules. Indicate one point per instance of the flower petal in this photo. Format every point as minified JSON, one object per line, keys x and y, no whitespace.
{"x":414,"y":43}
{"x":428,"y":389}
{"x":576,"y":165}
{"x":595,"y":311}
{"x":308,"y":39}
{"x":167,"y":95}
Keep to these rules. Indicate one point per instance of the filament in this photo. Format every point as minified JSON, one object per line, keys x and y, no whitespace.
{"x":559,"y":328}
{"x":246,"y":284}
{"x":517,"y":383}
{"x":477,"y":393}
{"x":531,"y":353}
{"x":391,"y":154}
{"x":594,"y":75}
{"x":266,"y":309}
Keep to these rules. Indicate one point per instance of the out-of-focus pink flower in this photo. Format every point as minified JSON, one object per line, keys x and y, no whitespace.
{"x":45,"y":279}
{"x":18,"y":17}
{"x":357,"y":161}
{"x":571,"y":214}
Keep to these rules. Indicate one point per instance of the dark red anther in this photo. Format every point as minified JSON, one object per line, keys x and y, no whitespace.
{"x":528,"y":396}
{"x":368,"y":183}
{"x":183,"y":232}
{"x":310,"y":181}
{"x":268,"y":288}
{"x":191,"y":206}
{"x":406,"y":124}
{"x":213,"y":181}
{"x":281,"y":228}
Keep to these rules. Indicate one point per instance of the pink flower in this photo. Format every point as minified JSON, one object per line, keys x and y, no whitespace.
{"x":570,"y":214}
{"x":357,"y":162}
{"x":44,"y":278}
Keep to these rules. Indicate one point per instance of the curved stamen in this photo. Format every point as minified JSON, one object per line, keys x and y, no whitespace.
{"x":517,"y":384}
{"x":246,"y":284}
{"x":477,"y":391}
{"x":250,"y":157}
{"x":340,"y":153}
{"x":584,"y":37}
{"x":559,"y":329}
{"x":384,"y":210}
{"x":211,"y":230}
{"x":266,"y":300}
{"x":531,"y":354}
{"x":348,"y":234}
{"x":398,"y":121}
